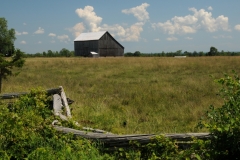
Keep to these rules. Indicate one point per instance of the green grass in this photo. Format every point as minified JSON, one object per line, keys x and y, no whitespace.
{"x":131,"y":95}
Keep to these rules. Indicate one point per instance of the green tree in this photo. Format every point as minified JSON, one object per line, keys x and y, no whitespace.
{"x":50,"y":53}
{"x":7,"y":38}
{"x":65,"y":52}
{"x":6,"y":65}
{"x":178,"y":52}
{"x":72,"y":53}
{"x":137,"y":54}
{"x":213,"y":51}
{"x":128,"y":54}
{"x":201,"y":53}
{"x":44,"y":54}
{"x":163,"y":54}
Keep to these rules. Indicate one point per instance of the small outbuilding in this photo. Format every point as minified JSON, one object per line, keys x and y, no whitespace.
{"x":101,"y":43}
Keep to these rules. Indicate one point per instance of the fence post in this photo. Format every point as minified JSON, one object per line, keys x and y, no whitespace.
{"x":65,"y":103}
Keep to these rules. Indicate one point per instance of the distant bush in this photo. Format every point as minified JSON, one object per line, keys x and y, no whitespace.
{"x":128,"y":54}
{"x":62,"y":53}
{"x":137,"y":54}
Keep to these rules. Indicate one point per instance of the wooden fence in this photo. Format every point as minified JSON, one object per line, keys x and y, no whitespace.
{"x":108,"y":139}
{"x":122,"y":141}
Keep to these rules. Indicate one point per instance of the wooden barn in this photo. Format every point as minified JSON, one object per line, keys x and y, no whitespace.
{"x":99,"y":42}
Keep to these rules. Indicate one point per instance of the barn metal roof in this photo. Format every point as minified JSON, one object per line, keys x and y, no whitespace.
{"x":90,"y":36}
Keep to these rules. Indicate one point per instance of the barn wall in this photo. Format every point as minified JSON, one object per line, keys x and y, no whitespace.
{"x":83,"y":48}
{"x":109,"y":47}
{"x":105,"y":46}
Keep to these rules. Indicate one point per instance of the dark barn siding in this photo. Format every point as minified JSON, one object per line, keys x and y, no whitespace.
{"x":108,"y":46}
{"x":105,"y":46}
{"x":83,"y":48}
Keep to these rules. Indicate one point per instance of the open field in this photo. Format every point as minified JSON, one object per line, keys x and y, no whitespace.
{"x":131,"y":95}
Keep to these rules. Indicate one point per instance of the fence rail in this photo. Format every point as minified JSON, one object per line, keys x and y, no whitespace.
{"x":109,"y":140}
{"x":18,"y":94}
{"x":112,"y":140}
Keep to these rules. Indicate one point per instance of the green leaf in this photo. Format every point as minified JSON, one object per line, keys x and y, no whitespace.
{"x":219,"y":129}
{"x":232,"y":121}
{"x":226,"y":128}
{"x":198,"y":157}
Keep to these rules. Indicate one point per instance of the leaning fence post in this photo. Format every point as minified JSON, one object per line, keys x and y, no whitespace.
{"x":65,"y":103}
{"x":57,"y":107}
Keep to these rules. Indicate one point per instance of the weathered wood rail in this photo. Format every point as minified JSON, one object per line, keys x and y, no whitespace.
{"x":18,"y":94}
{"x":113,"y":140}
{"x":109,"y":140}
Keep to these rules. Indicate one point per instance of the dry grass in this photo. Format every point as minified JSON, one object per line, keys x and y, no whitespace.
{"x":131,"y":95}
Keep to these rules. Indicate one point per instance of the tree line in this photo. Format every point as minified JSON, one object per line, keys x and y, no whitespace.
{"x":212,"y":52}
{"x":62,"y":53}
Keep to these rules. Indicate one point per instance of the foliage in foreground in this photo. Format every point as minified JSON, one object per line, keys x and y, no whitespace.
{"x":26,"y":132}
{"x":159,"y":148}
{"x":224,"y":122}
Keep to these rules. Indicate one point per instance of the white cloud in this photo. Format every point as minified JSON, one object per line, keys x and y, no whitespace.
{"x":200,"y":19}
{"x":174,"y":27}
{"x":77,"y":29}
{"x":52,"y":35}
{"x":210,"y":8}
{"x":131,"y":33}
{"x":90,"y":17}
{"x":207,"y":22}
{"x":237,"y":27}
{"x":23,"y":42}
{"x":52,"y":41}
{"x":24,"y":24}
{"x":139,"y":12}
{"x":172,"y":39}
{"x":116,"y":30}
{"x":39,"y":31}
{"x":39,"y":42}
{"x":21,"y":33}
{"x":63,"y":38}
{"x":156,"y":39}
{"x":93,"y":23}
{"x":188,"y":38}
{"x":187,"y":20}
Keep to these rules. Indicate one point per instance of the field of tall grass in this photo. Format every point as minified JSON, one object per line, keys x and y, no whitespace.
{"x":131,"y":95}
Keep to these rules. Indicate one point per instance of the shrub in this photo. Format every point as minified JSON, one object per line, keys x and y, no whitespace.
{"x":26,"y":132}
{"x":224,"y":122}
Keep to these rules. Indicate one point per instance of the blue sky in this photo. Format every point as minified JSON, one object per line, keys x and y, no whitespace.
{"x":150,"y":26}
